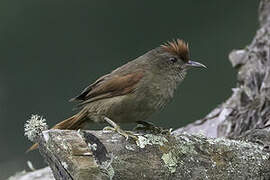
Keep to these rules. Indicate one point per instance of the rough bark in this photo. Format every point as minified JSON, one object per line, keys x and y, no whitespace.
{"x":107,"y":155}
{"x":234,"y":144}
{"x":249,"y":106}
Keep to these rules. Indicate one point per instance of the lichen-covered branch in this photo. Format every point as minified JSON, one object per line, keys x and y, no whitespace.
{"x":107,"y":155}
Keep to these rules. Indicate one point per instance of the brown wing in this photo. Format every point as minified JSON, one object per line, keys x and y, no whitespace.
{"x":110,"y":85}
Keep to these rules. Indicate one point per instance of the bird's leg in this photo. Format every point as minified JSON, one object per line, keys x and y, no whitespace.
{"x":147,"y":126}
{"x":118,"y":129}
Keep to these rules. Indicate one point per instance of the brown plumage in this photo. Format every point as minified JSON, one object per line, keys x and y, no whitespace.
{"x":105,"y":87}
{"x":177,"y":47}
{"x":109,"y":86}
{"x":133,"y":91}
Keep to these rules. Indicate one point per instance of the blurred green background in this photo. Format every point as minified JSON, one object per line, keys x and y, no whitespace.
{"x":50,"y":50}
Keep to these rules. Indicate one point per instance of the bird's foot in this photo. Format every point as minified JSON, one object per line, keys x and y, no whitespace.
{"x":117,"y":128}
{"x":151,"y":128}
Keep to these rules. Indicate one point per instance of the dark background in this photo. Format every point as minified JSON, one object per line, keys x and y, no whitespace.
{"x":50,"y":50}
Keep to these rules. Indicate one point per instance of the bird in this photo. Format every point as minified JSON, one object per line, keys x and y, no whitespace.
{"x":133,"y":91}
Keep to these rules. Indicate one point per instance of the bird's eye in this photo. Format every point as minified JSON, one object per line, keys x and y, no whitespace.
{"x":173,"y":59}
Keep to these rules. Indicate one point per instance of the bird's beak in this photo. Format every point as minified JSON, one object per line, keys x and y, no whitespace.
{"x":195,"y":64}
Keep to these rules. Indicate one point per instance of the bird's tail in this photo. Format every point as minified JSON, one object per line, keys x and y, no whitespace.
{"x":73,"y":123}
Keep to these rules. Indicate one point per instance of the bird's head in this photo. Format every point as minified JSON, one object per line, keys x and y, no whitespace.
{"x":173,"y":57}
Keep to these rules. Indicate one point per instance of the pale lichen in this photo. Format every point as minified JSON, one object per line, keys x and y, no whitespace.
{"x":150,"y":139}
{"x":172,"y":154}
{"x":46,"y":136}
{"x":170,"y":161}
{"x":130,"y":147}
{"x":106,"y":167}
{"x":220,"y":153}
{"x":93,"y":147}
{"x":64,"y":164}
{"x":34,"y":127}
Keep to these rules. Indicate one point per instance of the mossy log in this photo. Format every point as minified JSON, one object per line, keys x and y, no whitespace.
{"x":106,"y":155}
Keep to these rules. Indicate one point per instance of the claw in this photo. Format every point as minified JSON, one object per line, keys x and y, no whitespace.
{"x":117,"y":129}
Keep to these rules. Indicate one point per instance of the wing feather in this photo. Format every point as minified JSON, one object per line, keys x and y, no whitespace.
{"x":109,"y":86}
